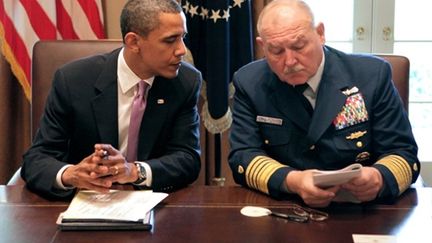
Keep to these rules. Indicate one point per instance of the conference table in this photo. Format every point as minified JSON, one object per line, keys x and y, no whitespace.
{"x":212,"y":214}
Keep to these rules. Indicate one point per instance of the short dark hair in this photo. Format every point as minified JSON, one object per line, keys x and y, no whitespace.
{"x":142,"y":16}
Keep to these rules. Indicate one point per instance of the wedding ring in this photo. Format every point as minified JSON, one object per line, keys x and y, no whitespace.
{"x":116,"y":171}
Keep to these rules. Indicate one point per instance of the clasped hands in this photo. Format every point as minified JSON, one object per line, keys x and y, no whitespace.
{"x":100,"y":170}
{"x":364,"y":187}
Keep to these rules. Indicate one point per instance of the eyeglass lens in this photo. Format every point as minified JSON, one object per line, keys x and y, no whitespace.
{"x":314,"y":215}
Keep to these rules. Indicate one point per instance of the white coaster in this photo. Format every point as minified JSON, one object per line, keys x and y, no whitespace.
{"x":252,"y":211}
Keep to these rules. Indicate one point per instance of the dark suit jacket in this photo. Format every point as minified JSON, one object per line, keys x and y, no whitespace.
{"x":272,"y":132}
{"x":81,"y":110}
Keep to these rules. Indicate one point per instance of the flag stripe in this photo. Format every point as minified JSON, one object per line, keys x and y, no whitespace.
{"x":24,"y":22}
{"x":39,"y":20}
{"x":49,"y":6}
{"x":17,"y":68}
{"x":64,"y":22}
{"x":91,"y":10}
{"x":80,"y":23}
{"x":15,"y":54}
{"x":18,"y":27}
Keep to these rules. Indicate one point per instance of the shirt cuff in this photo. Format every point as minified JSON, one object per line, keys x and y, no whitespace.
{"x":59,"y":183}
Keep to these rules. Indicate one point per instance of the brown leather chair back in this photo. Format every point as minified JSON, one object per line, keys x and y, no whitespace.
{"x":400,"y":71}
{"x":48,"y":56}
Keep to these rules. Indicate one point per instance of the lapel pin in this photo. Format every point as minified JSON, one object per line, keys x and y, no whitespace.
{"x":161,"y":101}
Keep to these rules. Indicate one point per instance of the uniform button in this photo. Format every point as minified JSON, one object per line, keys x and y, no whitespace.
{"x":359,"y":144}
{"x":415,"y":167}
{"x":312,"y":147}
{"x":240,"y":169}
{"x":266,"y":141}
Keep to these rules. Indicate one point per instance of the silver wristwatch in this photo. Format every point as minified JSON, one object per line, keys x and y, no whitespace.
{"x":142,"y":174}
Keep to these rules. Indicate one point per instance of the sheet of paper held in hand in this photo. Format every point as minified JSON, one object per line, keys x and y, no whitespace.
{"x":115,"y":205}
{"x":325,"y":179}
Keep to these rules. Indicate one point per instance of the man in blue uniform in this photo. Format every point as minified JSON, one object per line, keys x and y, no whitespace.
{"x":307,"y":106}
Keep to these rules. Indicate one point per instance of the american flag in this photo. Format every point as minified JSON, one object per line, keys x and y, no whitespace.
{"x":24,"y":22}
{"x":220,"y":40}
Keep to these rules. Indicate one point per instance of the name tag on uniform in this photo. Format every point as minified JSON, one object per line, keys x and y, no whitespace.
{"x":269,"y":120}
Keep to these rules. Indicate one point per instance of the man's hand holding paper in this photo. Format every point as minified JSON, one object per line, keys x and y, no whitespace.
{"x":332,"y":180}
{"x":302,"y":183}
{"x":366,"y":186}
{"x":357,"y":183}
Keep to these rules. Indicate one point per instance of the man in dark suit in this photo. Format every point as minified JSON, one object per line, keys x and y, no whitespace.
{"x":83,"y":137}
{"x":307,"y":106}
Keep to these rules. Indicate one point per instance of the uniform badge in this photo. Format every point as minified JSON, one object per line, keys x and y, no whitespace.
{"x":269,"y":120}
{"x":351,"y":91}
{"x":362,"y":156}
{"x":356,"y":135}
{"x":353,"y":112}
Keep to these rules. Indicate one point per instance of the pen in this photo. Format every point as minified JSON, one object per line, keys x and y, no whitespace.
{"x":104,"y":155}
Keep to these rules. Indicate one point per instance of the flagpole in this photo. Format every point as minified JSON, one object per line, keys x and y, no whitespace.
{"x":218,"y":151}
{"x":218,"y":179}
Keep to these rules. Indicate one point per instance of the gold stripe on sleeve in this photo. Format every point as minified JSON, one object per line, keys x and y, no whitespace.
{"x":400,"y":169}
{"x":259,"y":164}
{"x":259,"y":171}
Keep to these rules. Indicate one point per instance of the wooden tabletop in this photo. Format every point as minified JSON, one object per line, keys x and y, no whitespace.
{"x":212,"y":214}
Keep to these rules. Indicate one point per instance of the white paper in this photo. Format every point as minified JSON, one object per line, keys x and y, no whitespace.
{"x":360,"y":238}
{"x":115,"y":205}
{"x":325,"y":179}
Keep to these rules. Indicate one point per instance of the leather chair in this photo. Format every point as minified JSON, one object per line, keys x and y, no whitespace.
{"x":400,"y":71}
{"x":47,"y":57}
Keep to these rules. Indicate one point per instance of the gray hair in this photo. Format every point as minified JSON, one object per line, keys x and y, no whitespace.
{"x":142,"y":16}
{"x":299,"y":4}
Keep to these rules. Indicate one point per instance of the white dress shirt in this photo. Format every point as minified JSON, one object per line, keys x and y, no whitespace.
{"x":127,"y":87}
{"x":311,"y":92}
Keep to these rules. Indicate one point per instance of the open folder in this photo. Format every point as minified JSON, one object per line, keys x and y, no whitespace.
{"x":116,"y":210}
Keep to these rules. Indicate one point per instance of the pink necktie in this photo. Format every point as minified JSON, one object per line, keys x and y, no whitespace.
{"x":138,"y":107}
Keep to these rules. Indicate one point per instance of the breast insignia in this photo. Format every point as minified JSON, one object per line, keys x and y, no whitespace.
{"x":362,"y":156}
{"x":356,"y":135}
